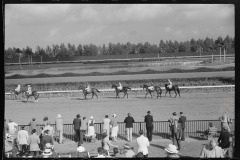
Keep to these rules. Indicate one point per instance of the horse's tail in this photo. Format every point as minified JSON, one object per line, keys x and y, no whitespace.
{"x":98,"y":90}
{"x":129,"y":88}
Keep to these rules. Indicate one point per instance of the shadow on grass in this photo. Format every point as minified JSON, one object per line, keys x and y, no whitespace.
{"x":163,"y":135}
{"x":26,"y":101}
{"x":79,"y":99}
{"x":111,"y":97}
{"x":157,"y":146}
{"x":69,"y":137}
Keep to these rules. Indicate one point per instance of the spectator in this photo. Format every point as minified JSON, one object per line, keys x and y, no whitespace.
{"x":23,"y":139}
{"x":171,"y":122}
{"x":114,"y":123}
{"x":77,"y":125}
{"x":225,"y":121}
{"x":120,"y":154}
{"x":106,"y":143}
{"x":34,"y":142}
{"x":177,"y":134}
{"x":91,"y":131}
{"x":182,"y":121}
{"x":171,"y":151}
{"x":100,"y":153}
{"x":212,"y":151}
{"x":149,"y":125}
{"x":223,"y":139}
{"x":128,"y":151}
{"x":49,"y":128}
{"x":46,"y":139}
{"x":45,"y":121}
{"x":6,"y":127}
{"x":106,"y":124}
{"x":33,"y":124}
{"x":15,"y":148}
{"x":115,"y":151}
{"x":12,"y":126}
{"x":83,"y":129}
{"x":129,"y":126}
{"x":143,"y":143}
{"x":8,"y":146}
{"x":59,"y":127}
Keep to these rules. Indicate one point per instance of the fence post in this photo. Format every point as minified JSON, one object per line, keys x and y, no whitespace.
{"x":100,"y":135}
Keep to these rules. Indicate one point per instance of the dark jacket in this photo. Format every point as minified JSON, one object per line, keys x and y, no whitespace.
{"x":223,"y":140}
{"x":77,"y":123}
{"x":47,"y":139}
{"x":177,"y":131}
{"x":148,"y":119}
{"x":182,"y":120}
{"x":129,"y":122}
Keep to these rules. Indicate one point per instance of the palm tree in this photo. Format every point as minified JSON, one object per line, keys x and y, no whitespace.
{"x":29,"y":53}
{"x":219,"y":43}
{"x":17,"y":50}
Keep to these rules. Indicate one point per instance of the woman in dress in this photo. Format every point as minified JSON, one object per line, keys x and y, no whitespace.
{"x":91,"y":131}
{"x":106,"y":143}
{"x":114,"y":123}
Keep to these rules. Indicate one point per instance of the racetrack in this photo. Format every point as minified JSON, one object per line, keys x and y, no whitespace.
{"x":119,"y":77}
{"x":195,"y":106}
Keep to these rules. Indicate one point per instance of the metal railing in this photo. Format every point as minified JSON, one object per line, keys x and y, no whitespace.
{"x":194,"y":128}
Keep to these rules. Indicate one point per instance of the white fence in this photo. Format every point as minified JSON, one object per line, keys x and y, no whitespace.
{"x":135,"y":89}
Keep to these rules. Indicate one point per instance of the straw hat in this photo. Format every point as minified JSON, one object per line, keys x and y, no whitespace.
{"x":171,"y":149}
{"x":47,"y":152}
{"x":59,"y":116}
{"x":80,"y":149}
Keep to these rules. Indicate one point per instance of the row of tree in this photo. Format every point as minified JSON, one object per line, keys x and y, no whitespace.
{"x":61,"y":50}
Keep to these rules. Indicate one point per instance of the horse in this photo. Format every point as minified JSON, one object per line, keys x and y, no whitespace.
{"x":156,"y":88}
{"x":124,"y":90}
{"x":16,"y":93}
{"x":34,"y":94}
{"x":93,"y":91}
{"x":174,"y":88}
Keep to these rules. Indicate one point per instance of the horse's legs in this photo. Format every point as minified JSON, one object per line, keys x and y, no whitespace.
{"x":124,"y":94}
{"x":175,"y":93}
{"x":151,"y":94}
{"x":92,"y":95}
{"x":146,"y":94}
{"x":96,"y":95}
{"x":169,"y":93}
{"x":166,"y":92}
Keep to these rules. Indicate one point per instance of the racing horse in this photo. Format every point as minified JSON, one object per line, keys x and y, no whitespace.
{"x":93,"y":91}
{"x":34,"y":94}
{"x":124,"y":90}
{"x":156,"y":88}
{"x":174,"y":88}
{"x":16,"y":93}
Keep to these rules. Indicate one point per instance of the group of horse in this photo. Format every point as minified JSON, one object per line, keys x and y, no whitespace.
{"x":124,"y":90}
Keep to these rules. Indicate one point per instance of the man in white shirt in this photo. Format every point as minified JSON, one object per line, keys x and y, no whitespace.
{"x":106,"y":124}
{"x":12,"y":126}
{"x":143,"y":143}
{"x":23,"y":139}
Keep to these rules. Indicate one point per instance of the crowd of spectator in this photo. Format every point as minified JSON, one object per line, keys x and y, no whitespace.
{"x":35,"y":144}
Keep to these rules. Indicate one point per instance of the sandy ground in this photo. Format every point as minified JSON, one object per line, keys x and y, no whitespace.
{"x":198,"y":106}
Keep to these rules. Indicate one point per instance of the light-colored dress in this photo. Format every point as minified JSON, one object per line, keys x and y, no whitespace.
{"x":114,"y":127}
{"x":91,"y":131}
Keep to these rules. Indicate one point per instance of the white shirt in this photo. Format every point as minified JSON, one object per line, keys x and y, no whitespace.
{"x":143,"y":143}
{"x":12,"y":125}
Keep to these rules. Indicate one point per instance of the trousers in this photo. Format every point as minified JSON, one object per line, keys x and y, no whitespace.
{"x":149,"y":133}
{"x":129,"y":134}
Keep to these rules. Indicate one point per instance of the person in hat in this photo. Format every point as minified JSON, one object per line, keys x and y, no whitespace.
{"x":120,"y":86}
{"x":29,"y":90}
{"x":143,"y":143}
{"x":151,"y":87}
{"x":212,"y":150}
{"x":223,"y":140}
{"x":22,"y":139}
{"x":100,"y":151}
{"x":12,"y":126}
{"x":77,"y":125}
{"x":34,"y":142}
{"x":33,"y":124}
{"x":83,"y":129}
{"x":47,"y":153}
{"x":177,"y":134}
{"x":114,"y":123}
{"x":128,"y":150}
{"x":149,"y":125}
{"x":129,"y":126}
{"x":106,"y":124}
{"x":106,"y":143}
{"x":59,"y":127}
{"x":18,"y":88}
{"x":171,"y":122}
{"x":169,"y":84}
{"x":171,"y":151}
{"x":91,"y":130}
{"x":47,"y":139}
{"x":225,"y":121}
{"x":182,"y":121}
{"x":88,"y":88}
{"x":49,"y":128}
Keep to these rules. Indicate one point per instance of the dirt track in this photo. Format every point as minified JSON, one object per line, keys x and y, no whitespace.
{"x":195,"y":106}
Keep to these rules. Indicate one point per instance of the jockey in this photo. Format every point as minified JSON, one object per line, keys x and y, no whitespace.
{"x":18,"y":88}
{"x":170,"y":84}
{"x":29,"y":91}
{"x":151,"y":87}
{"x":88,"y":87}
{"x":120,"y":86}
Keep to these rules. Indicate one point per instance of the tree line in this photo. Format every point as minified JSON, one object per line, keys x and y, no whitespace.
{"x":200,"y":45}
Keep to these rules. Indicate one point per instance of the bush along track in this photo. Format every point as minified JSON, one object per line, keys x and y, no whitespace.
{"x":148,"y":71}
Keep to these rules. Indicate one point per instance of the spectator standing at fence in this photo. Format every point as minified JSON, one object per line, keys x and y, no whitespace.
{"x":225,"y":121}
{"x":171,"y":122}
{"x":143,"y":144}
{"x":212,"y":151}
{"x":114,"y":123}
{"x":182,"y":121}
{"x":59,"y":127}
{"x":49,"y":128}
{"x":33,"y":124}
{"x":129,"y":126}
{"x":106,"y":125}
{"x":23,"y":139}
{"x":91,"y":130}
{"x":12,"y":126}
{"x":177,"y":134}
{"x":83,"y":129}
{"x":149,"y":125}
{"x":34,"y":142}
{"x":45,"y":121}
{"x":6,"y":127}
{"x":77,"y":125}
{"x":223,"y":139}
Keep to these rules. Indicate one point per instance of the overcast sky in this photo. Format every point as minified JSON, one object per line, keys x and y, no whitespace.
{"x":46,"y":24}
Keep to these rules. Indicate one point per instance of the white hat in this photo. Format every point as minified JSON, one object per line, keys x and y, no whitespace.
{"x":80,"y":149}
{"x":48,"y":145}
{"x":47,"y":152}
{"x":114,"y":115}
{"x":28,"y":85}
{"x":59,"y":116}
{"x":171,"y":149}
{"x":91,"y":117}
